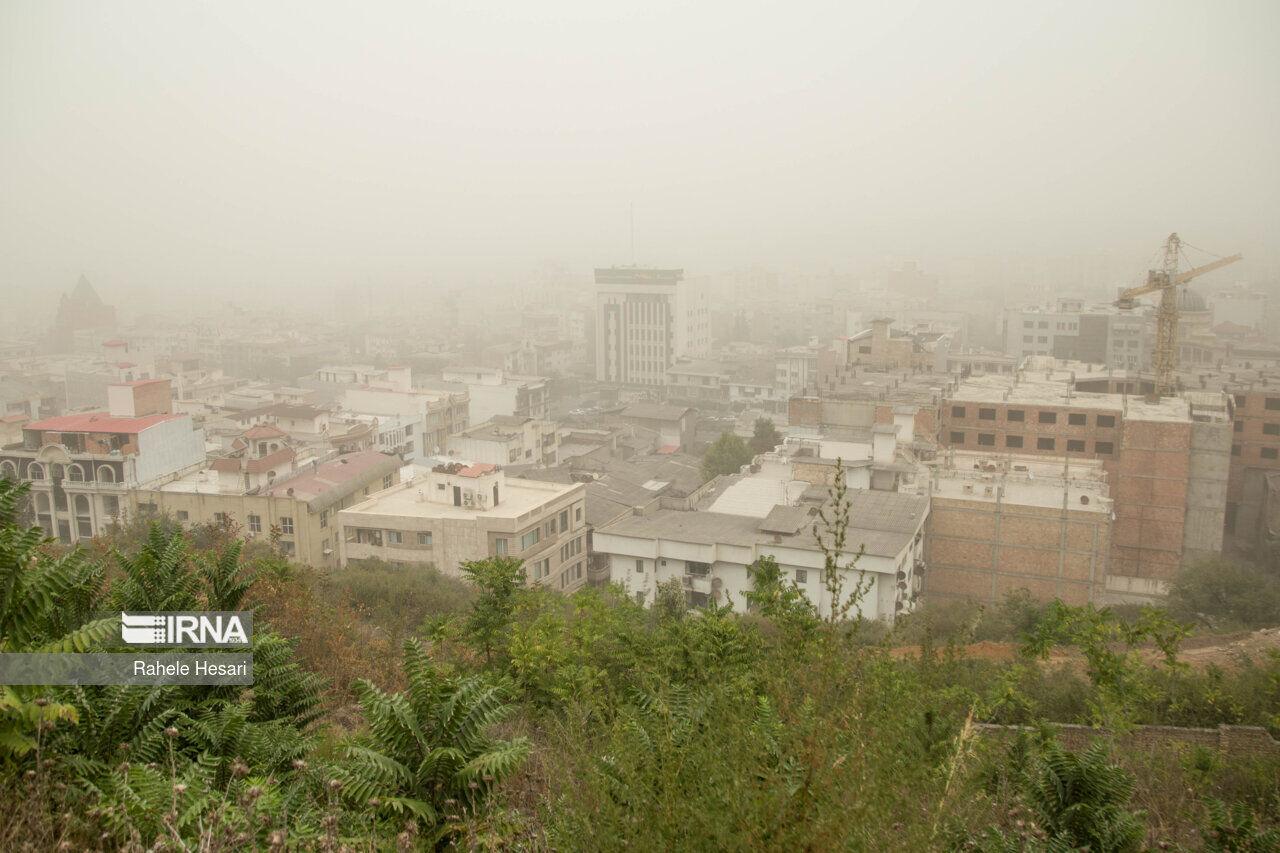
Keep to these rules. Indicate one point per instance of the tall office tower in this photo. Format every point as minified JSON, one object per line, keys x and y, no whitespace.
{"x":645,"y":320}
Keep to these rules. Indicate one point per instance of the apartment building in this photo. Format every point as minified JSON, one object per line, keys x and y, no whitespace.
{"x":493,"y":391}
{"x":1000,"y":523}
{"x":708,"y":551}
{"x":1072,"y":330}
{"x":453,"y":513}
{"x":1166,"y":459}
{"x":645,"y":320}
{"x":84,"y":469}
{"x":508,"y":440}
{"x":1255,"y":452}
{"x":885,"y":348}
{"x":297,"y":508}
{"x":417,"y":422}
{"x":795,"y":370}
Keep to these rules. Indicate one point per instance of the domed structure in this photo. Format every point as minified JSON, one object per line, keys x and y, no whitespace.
{"x":1189,"y":300}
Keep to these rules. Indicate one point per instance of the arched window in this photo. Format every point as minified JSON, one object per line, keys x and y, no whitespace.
{"x":76,"y":474}
{"x":106,"y":474}
{"x":8,"y":471}
{"x":35,"y":471}
{"x":82,"y":505}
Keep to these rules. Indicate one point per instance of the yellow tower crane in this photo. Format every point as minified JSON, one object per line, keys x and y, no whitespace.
{"x":1166,"y":280}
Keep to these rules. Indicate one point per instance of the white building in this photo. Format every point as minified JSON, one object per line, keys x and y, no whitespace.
{"x":414,"y":422}
{"x":708,"y":552}
{"x":645,"y":320}
{"x":451,"y":513}
{"x":85,"y":468}
{"x":795,"y":371}
{"x":505,"y":440}
{"x":493,"y":391}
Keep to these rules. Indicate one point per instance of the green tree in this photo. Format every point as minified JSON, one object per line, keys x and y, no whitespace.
{"x":499,"y":581}
{"x":1225,"y":594}
{"x":766,"y":436}
{"x":45,"y":604}
{"x":428,"y":751}
{"x":726,"y":456}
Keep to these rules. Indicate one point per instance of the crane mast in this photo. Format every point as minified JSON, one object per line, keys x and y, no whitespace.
{"x":1166,"y":280}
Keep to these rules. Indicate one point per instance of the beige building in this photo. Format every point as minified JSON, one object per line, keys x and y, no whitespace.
{"x":451,"y":513}
{"x":299,"y":509}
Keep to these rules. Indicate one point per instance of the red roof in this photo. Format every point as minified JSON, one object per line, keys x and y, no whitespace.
{"x":99,"y":422}
{"x":477,"y":469}
{"x":14,"y":419}
{"x":264,"y":431}
{"x":669,"y":448}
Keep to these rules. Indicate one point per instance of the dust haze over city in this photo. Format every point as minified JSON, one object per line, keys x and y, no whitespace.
{"x":623,"y":371}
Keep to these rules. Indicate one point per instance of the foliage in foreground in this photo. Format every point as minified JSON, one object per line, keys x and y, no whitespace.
{"x":589,"y":723}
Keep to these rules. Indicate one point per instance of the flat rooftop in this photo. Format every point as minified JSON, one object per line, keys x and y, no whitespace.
{"x":518,"y":498}
{"x":1053,"y":389}
{"x":883,"y":522}
{"x":1022,"y":480}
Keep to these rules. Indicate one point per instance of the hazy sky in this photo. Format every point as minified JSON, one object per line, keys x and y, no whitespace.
{"x":278,"y":146}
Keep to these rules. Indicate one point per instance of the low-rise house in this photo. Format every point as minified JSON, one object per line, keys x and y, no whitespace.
{"x":298,"y":510}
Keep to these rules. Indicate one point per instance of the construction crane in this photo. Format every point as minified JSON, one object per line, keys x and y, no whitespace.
{"x":1166,"y":280}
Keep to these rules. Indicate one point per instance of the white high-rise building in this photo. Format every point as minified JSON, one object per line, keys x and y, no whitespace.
{"x":645,"y":320}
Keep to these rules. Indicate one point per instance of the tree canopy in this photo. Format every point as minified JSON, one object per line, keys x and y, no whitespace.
{"x":726,"y":456}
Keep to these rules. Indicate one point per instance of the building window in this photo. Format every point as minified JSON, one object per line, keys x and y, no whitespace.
{"x":1015,"y":415}
{"x":1239,"y":426}
{"x":286,"y":525}
{"x":1271,"y":429}
{"x":219,"y":518}
{"x":577,"y":514}
{"x":1077,"y":419}
{"x":500,"y":547}
{"x":986,"y":439}
{"x":1269,"y":453}
{"x":1013,"y":441}
{"x":986,"y":414}
{"x":1075,"y":445}
{"x":1045,"y":444}
{"x":533,"y":537}
{"x":1235,"y":450}
{"x":425,"y":539}
{"x":386,"y":482}
{"x":287,"y":549}
{"x":1104,"y":447}
{"x":255,"y":523}
{"x":1240,"y":401}
{"x":957,"y":438}
{"x":957,"y":411}
{"x":324,"y":518}
{"x":183,"y":515}
{"x":639,"y":565}
{"x":564,"y":520}
{"x":1106,"y":421}
{"x":802,"y":576}
{"x":1273,"y":403}
{"x":1048,"y":417}
{"x":1028,"y":339}
{"x":395,"y":537}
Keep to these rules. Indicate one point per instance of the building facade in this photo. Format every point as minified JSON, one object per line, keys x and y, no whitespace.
{"x":645,"y":320}
{"x":449,"y":514}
